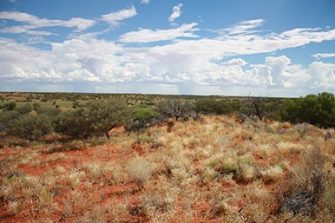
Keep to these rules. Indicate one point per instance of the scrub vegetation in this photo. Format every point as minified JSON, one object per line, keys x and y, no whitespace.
{"x":151,"y":158}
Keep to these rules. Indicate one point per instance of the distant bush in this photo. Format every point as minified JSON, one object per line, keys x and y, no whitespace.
{"x":74,"y":123}
{"x":95,"y":118}
{"x":7,"y":117}
{"x":36,"y":105}
{"x":213,"y":106}
{"x":107,"y":115}
{"x":9,"y":106}
{"x":45,"y":98}
{"x":24,"y":108}
{"x":48,"y":110}
{"x":30,"y":127}
{"x":318,"y":110}
{"x":176,"y":109}
{"x":143,"y":116}
{"x":75,"y":104}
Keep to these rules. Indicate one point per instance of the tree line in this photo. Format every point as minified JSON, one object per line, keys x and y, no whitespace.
{"x":97,"y":117}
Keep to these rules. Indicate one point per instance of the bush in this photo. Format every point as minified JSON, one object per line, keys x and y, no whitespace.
{"x":213,"y":106}
{"x":24,"y":108}
{"x":7,"y":118}
{"x":318,"y":110}
{"x":31,"y":127}
{"x":48,"y":110}
{"x":74,"y":123}
{"x":94,"y":119}
{"x":9,"y":106}
{"x":143,"y":117}
{"x":176,"y":109}
{"x":75,"y":104}
{"x":36,"y":105}
{"x":106,"y":115}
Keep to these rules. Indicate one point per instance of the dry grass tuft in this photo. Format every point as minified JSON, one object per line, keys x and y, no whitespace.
{"x":140,"y":170}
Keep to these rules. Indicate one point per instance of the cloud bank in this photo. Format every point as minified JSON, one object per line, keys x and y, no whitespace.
{"x":175,"y":59}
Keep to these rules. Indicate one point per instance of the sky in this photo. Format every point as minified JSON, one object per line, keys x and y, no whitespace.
{"x":278,"y":48}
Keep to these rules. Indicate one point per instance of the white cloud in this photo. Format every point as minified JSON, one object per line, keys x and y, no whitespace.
{"x":320,"y":56}
{"x":148,"y":35}
{"x":31,"y":23}
{"x":176,"y":12}
{"x":182,"y":63}
{"x":145,"y":1}
{"x":115,"y":18}
{"x":323,"y":75}
{"x":242,"y":27}
{"x":25,"y":30}
{"x":80,"y":60}
{"x":80,"y":23}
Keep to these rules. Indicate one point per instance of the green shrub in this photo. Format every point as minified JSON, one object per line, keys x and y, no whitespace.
{"x":36,"y":105}
{"x":318,"y":110}
{"x":95,"y":118}
{"x":143,"y":117}
{"x":48,"y":110}
{"x":75,"y":104}
{"x":24,"y":108}
{"x":7,"y":118}
{"x":74,"y":123}
{"x":9,"y":106}
{"x":213,"y":106}
{"x":31,"y":127}
{"x":106,"y":115}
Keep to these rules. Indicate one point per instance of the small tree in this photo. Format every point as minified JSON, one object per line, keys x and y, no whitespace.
{"x":31,"y":127}
{"x":175,"y":109}
{"x":95,"y":118}
{"x":315,"y":109}
{"x":255,"y":106}
{"x":74,"y":123}
{"x":108,"y":114}
{"x":143,"y":117}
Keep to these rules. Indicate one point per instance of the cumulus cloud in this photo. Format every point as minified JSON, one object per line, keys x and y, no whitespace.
{"x":115,"y":18}
{"x":176,"y":12}
{"x":31,"y":23}
{"x":100,"y":61}
{"x":320,"y":56}
{"x":182,"y":63}
{"x":323,"y":75}
{"x":148,"y":35}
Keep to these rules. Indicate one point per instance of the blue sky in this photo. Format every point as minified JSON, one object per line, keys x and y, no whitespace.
{"x":220,"y":47}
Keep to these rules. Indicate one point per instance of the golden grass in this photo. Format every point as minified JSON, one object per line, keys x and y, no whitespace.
{"x":216,"y":169}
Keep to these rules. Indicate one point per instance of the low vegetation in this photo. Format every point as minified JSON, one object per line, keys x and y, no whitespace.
{"x":167,"y":160}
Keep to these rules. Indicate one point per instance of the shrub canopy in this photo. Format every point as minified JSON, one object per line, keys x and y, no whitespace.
{"x":318,"y":110}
